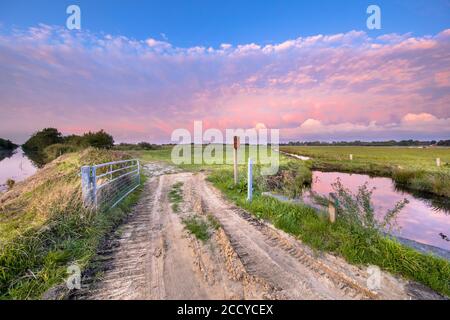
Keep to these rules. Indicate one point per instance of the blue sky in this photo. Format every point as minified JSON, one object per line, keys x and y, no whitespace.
{"x":140,"y":69}
{"x":210,"y":23}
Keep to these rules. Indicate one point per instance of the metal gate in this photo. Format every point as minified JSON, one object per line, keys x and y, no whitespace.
{"x":105,"y":185}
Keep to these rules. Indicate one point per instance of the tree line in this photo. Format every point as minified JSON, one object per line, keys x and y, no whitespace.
{"x":7,"y":145}
{"x":388,"y":143}
{"x":48,"y":144}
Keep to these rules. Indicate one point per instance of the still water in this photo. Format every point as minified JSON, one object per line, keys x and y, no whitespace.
{"x":425,"y":220}
{"x":15,"y":166}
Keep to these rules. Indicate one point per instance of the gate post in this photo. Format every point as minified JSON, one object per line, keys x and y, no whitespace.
{"x":94,"y":186}
{"x":139,"y":171}
{"x":250,"y":180}
{"x":86,"y":186}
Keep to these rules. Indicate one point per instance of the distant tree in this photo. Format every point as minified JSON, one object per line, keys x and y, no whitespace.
{"x":99,"y":139}
{"x":42,"y":139}
{"x":7,"y":145}
{"x":74,"y":140}
{"x":139,"y":146}
{"x":147,"y":146}
{"x":368,"y":143}
{"x":444,"y":143}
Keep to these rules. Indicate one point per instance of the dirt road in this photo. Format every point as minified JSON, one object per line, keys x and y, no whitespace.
{"x":153,"y":256}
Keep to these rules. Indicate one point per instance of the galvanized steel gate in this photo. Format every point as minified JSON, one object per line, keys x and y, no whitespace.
{"x":105,"y":185}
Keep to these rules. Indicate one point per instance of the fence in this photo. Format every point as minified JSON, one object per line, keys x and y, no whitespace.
{"x":105,"y":185}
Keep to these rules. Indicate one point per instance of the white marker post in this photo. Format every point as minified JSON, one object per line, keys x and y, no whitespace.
{"x":250,"y":180}
{"x":438,"y":162}
{"x":351,"y":157}
{"x":236,"y":144}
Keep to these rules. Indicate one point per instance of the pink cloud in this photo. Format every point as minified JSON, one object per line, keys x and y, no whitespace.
{"x":321,"y":87}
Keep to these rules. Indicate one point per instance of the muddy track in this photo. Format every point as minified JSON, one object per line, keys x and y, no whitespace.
{"x":155,"y":257}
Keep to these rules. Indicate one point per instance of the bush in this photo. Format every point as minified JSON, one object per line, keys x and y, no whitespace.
{"x":7,"y":145}
{"x":357,"y":210}
{"x":290,"y":179}
{"x":139,"y":146}
{"x":75,"y":140}
{"x":10,"y":183}
{"x":99,"y":139}
{"x":48,"y":144}
{"x":42,"y":139}
{"x":55,"y":150}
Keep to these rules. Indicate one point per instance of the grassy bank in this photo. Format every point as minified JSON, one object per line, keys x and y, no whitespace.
{"x":340,"y":238}
{"x":44,"y":227}
{"x":411,"y":168}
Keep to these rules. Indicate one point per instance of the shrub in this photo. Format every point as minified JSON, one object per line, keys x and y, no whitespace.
{"x":290,"y":179}
{"x":10,"y":183}
{"x":42,"y":139}
{"x":7,"y":145}
{"x":99,"y":139}
{"x":55,"y":150}
{"x":356,"y":210}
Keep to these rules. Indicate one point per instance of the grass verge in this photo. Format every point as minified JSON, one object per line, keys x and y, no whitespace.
{"x":44,"y":226}
{"x":339,"y":238}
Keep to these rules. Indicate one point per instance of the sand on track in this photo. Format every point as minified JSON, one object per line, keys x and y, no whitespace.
{"x":155,"y":257}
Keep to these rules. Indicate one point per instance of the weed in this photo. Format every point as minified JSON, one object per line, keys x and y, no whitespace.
{"x":10,"y":183}
{"x":213,"y":222}
{"x":198,"y":227}
{"x":176,"y":196}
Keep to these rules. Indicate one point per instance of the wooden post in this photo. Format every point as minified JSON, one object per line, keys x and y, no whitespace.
{"x":332,"y":208}
{"x":250,"y":180}
{"x":438,"y":162}
{"x":351,"y":157}
{"x":236,"y":144}
{"x":332,"y":212}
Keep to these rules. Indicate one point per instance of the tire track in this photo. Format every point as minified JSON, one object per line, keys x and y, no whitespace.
{"x":154,"y":257}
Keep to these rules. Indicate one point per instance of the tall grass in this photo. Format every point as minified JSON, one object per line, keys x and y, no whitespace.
{"x":44,"y":226}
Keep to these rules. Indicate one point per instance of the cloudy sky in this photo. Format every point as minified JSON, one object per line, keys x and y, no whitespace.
{"x":141,"y":81}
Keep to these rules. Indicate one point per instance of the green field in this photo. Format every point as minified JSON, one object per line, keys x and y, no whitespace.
{"x":164,"y":154}
{"x":413,"y":168}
